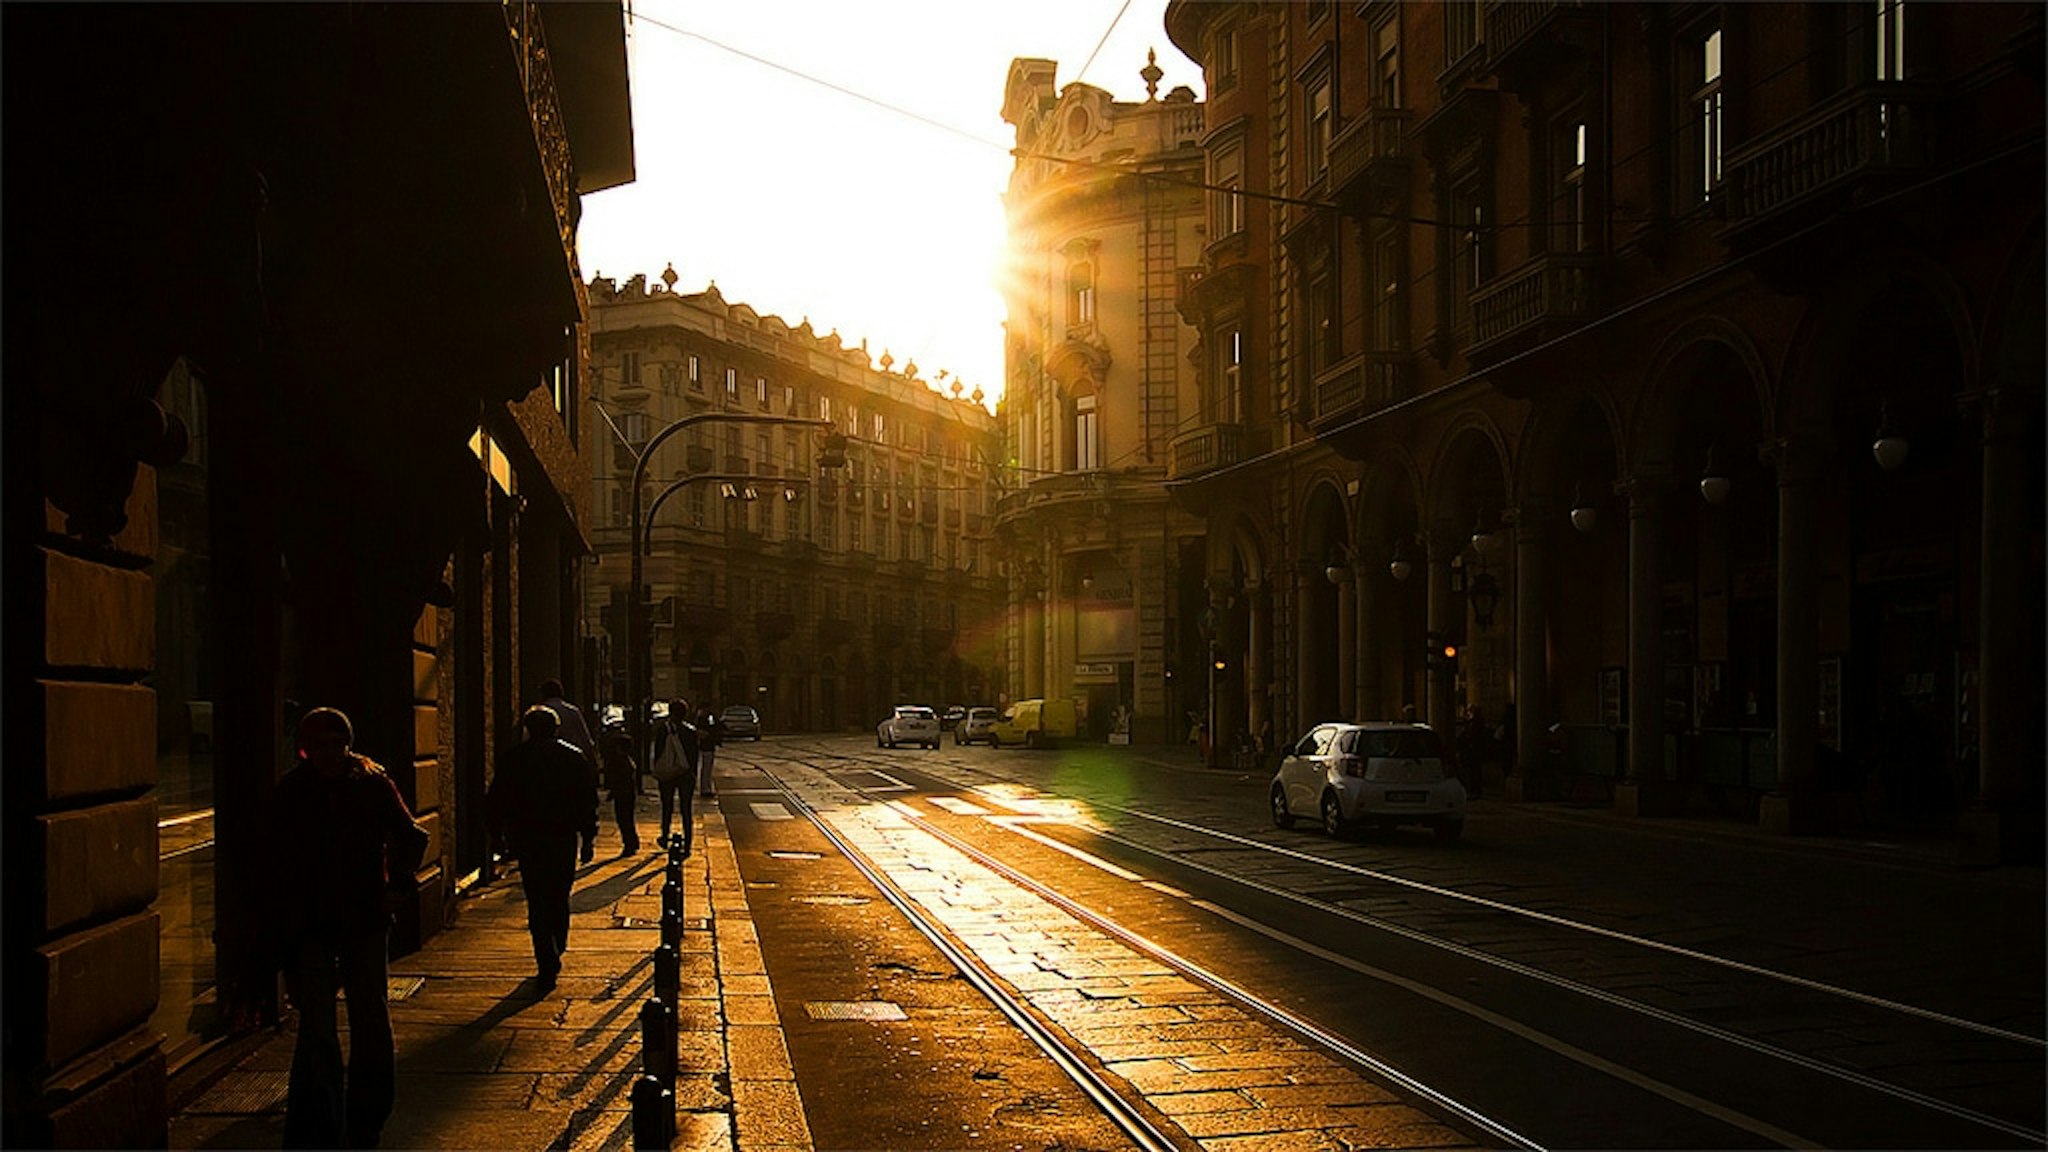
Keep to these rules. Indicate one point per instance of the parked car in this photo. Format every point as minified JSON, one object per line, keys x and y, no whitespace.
{"x":1376,"y":774}
{"x":908,"y":724}
{"x":951,"y":717}
{"x":741,"y":723}
{"x":1034,"y":724}
{"x":976,"y":726}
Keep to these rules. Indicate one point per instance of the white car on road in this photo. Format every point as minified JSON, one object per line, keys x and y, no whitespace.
{"x":1375,"y":774}
{"x":978,"y":723}
{"x":908,"y":724}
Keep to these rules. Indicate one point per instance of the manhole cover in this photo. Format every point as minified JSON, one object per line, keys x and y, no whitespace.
{"x":834,"y":901}
{"x":243,"y":1094}
{"x":853,"y":1010}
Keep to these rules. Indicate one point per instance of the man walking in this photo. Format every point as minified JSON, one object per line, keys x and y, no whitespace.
{"x":573,"y":729}
{"x":541,"y":800}
{"x":344,"y":855}
{"x":675,"y":768}
{"x":710,"y":734}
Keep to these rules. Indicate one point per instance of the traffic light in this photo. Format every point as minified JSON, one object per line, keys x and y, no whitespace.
{"x":1440,"y":650}
{"x":832,"y":453}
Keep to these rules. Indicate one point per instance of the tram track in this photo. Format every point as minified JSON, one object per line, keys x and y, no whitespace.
{"x":1071,"y":1056}
{"x":1527,"y":953}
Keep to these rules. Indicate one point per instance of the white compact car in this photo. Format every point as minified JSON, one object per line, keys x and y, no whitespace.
{"x":975,"y":726}
{"x":1365,"y":775}
{"x":908,"y":724}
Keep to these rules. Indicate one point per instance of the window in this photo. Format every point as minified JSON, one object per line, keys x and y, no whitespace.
{"x":629,"y":370}
{"x":1080,"y":294}
{"x":1704,"y":115}
{"x":824,"y":408}
{"x":1226,"y":405}
{"x":789,"y":400}
{"x":1386,"y":51}
{"x":696,"y":505}
{"x":1568,"y":223}
{"x":764,"y":453}
{"x":877,"y":428}
{"x":1323,"y":332}
{"x":1385,"y":279}
{"x":1226,"y":199}
{"x":1461,"y":29}
{"x":1087,"y":446}
{"x":761,"y":392}
{"x":732,"y":386}
{"x":1226,"y":58}
{"x":1891,"y":39}
{"x":854,"y":542}
{"x":696,"y":370}
{"x":634,"y":425}
{"x":1319,"y":127}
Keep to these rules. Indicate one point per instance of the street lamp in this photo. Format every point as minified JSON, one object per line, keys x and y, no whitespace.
{"x":637,"y":631}
{"x":1584,"y":515}
{"x":1890,"y":448}
{"x":1714,"y":483}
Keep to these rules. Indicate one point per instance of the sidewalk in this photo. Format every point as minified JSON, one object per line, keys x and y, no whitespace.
{"x":485,"y":1062}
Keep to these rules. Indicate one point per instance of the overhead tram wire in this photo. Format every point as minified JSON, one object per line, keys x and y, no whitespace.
{"x":1113,"y":21}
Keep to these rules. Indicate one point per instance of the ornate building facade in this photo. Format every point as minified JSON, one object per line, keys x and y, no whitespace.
{"x":822,"y":597}
{"x":1639,"y":353}
{"x":1104,"y":582}
{"x":315,"y":446}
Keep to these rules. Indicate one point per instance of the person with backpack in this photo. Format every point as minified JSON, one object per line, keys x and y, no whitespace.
{"x":676,"y":748}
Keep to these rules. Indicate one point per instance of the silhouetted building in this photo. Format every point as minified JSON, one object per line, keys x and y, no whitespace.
{"x":292,"y":362}
{"x":1680,"y":364}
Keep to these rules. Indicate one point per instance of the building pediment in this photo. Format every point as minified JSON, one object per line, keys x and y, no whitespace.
{"x":1079,"y":363}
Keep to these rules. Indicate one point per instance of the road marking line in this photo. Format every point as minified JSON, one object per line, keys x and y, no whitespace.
{"x":770,"y":812}
{"x":1167,"y":889}
{"x":1569,"y":1051}
{"x":957,"y":806}
{"x":1069,"y":849}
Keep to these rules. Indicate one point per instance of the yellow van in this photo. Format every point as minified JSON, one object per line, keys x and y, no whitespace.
{"x":1034,"y":724}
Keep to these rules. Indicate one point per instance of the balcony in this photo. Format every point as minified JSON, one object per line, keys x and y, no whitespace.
{"x":1360,"y":386}
{"x":1524,"y":38}
{"x":1862,"y":141}
{"x":1541,"y":298}
{"x":1205,"y":449}
{"x":773,"y":626}
{"x":912,"y":569}
{"x":550,"y":128}
{"x":1370,"y":156}
{"x":860,"y":558}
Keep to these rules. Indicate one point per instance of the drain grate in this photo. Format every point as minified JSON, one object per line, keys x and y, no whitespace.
{"x":243,"y":1094}
{"x":853,"y":1010}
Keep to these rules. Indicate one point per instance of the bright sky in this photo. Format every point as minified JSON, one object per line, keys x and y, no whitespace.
{"x":808,"y":201}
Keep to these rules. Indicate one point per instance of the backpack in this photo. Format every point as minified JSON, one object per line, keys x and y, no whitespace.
{"x":672,"y":755}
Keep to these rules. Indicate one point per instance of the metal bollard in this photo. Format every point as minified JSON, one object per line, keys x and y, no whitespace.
{"x":654,"y":1114}
{"x":672,"y":896}
{"x":668,"y":975}
{"x":658,"y":1041}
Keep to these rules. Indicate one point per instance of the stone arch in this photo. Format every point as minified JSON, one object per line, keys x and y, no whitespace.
{"x":1469,"y":477}
{"x":1652,"y":446}
{"x":1552,"y":465}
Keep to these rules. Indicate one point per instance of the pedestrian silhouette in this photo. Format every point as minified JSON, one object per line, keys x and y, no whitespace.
{"x":344,"y":855}
{"x":622,"y":781}
{"x":542,"y":799}
{"x":675,"y":769}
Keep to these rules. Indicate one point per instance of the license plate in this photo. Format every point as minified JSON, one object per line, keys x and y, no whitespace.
{"x":1407,"y":797}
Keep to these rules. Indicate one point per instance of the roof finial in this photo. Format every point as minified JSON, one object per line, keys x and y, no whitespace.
{"x":1151,"y":72}
{"x":668,"y":275}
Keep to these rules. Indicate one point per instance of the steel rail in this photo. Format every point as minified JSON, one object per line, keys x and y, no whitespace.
{"x":1119,"y":1110}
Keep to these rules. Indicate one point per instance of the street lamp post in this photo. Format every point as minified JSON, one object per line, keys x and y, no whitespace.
{"x":641,"y":658}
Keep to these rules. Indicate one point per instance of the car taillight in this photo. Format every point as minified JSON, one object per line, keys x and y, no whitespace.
{"x":1352,"y":766}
